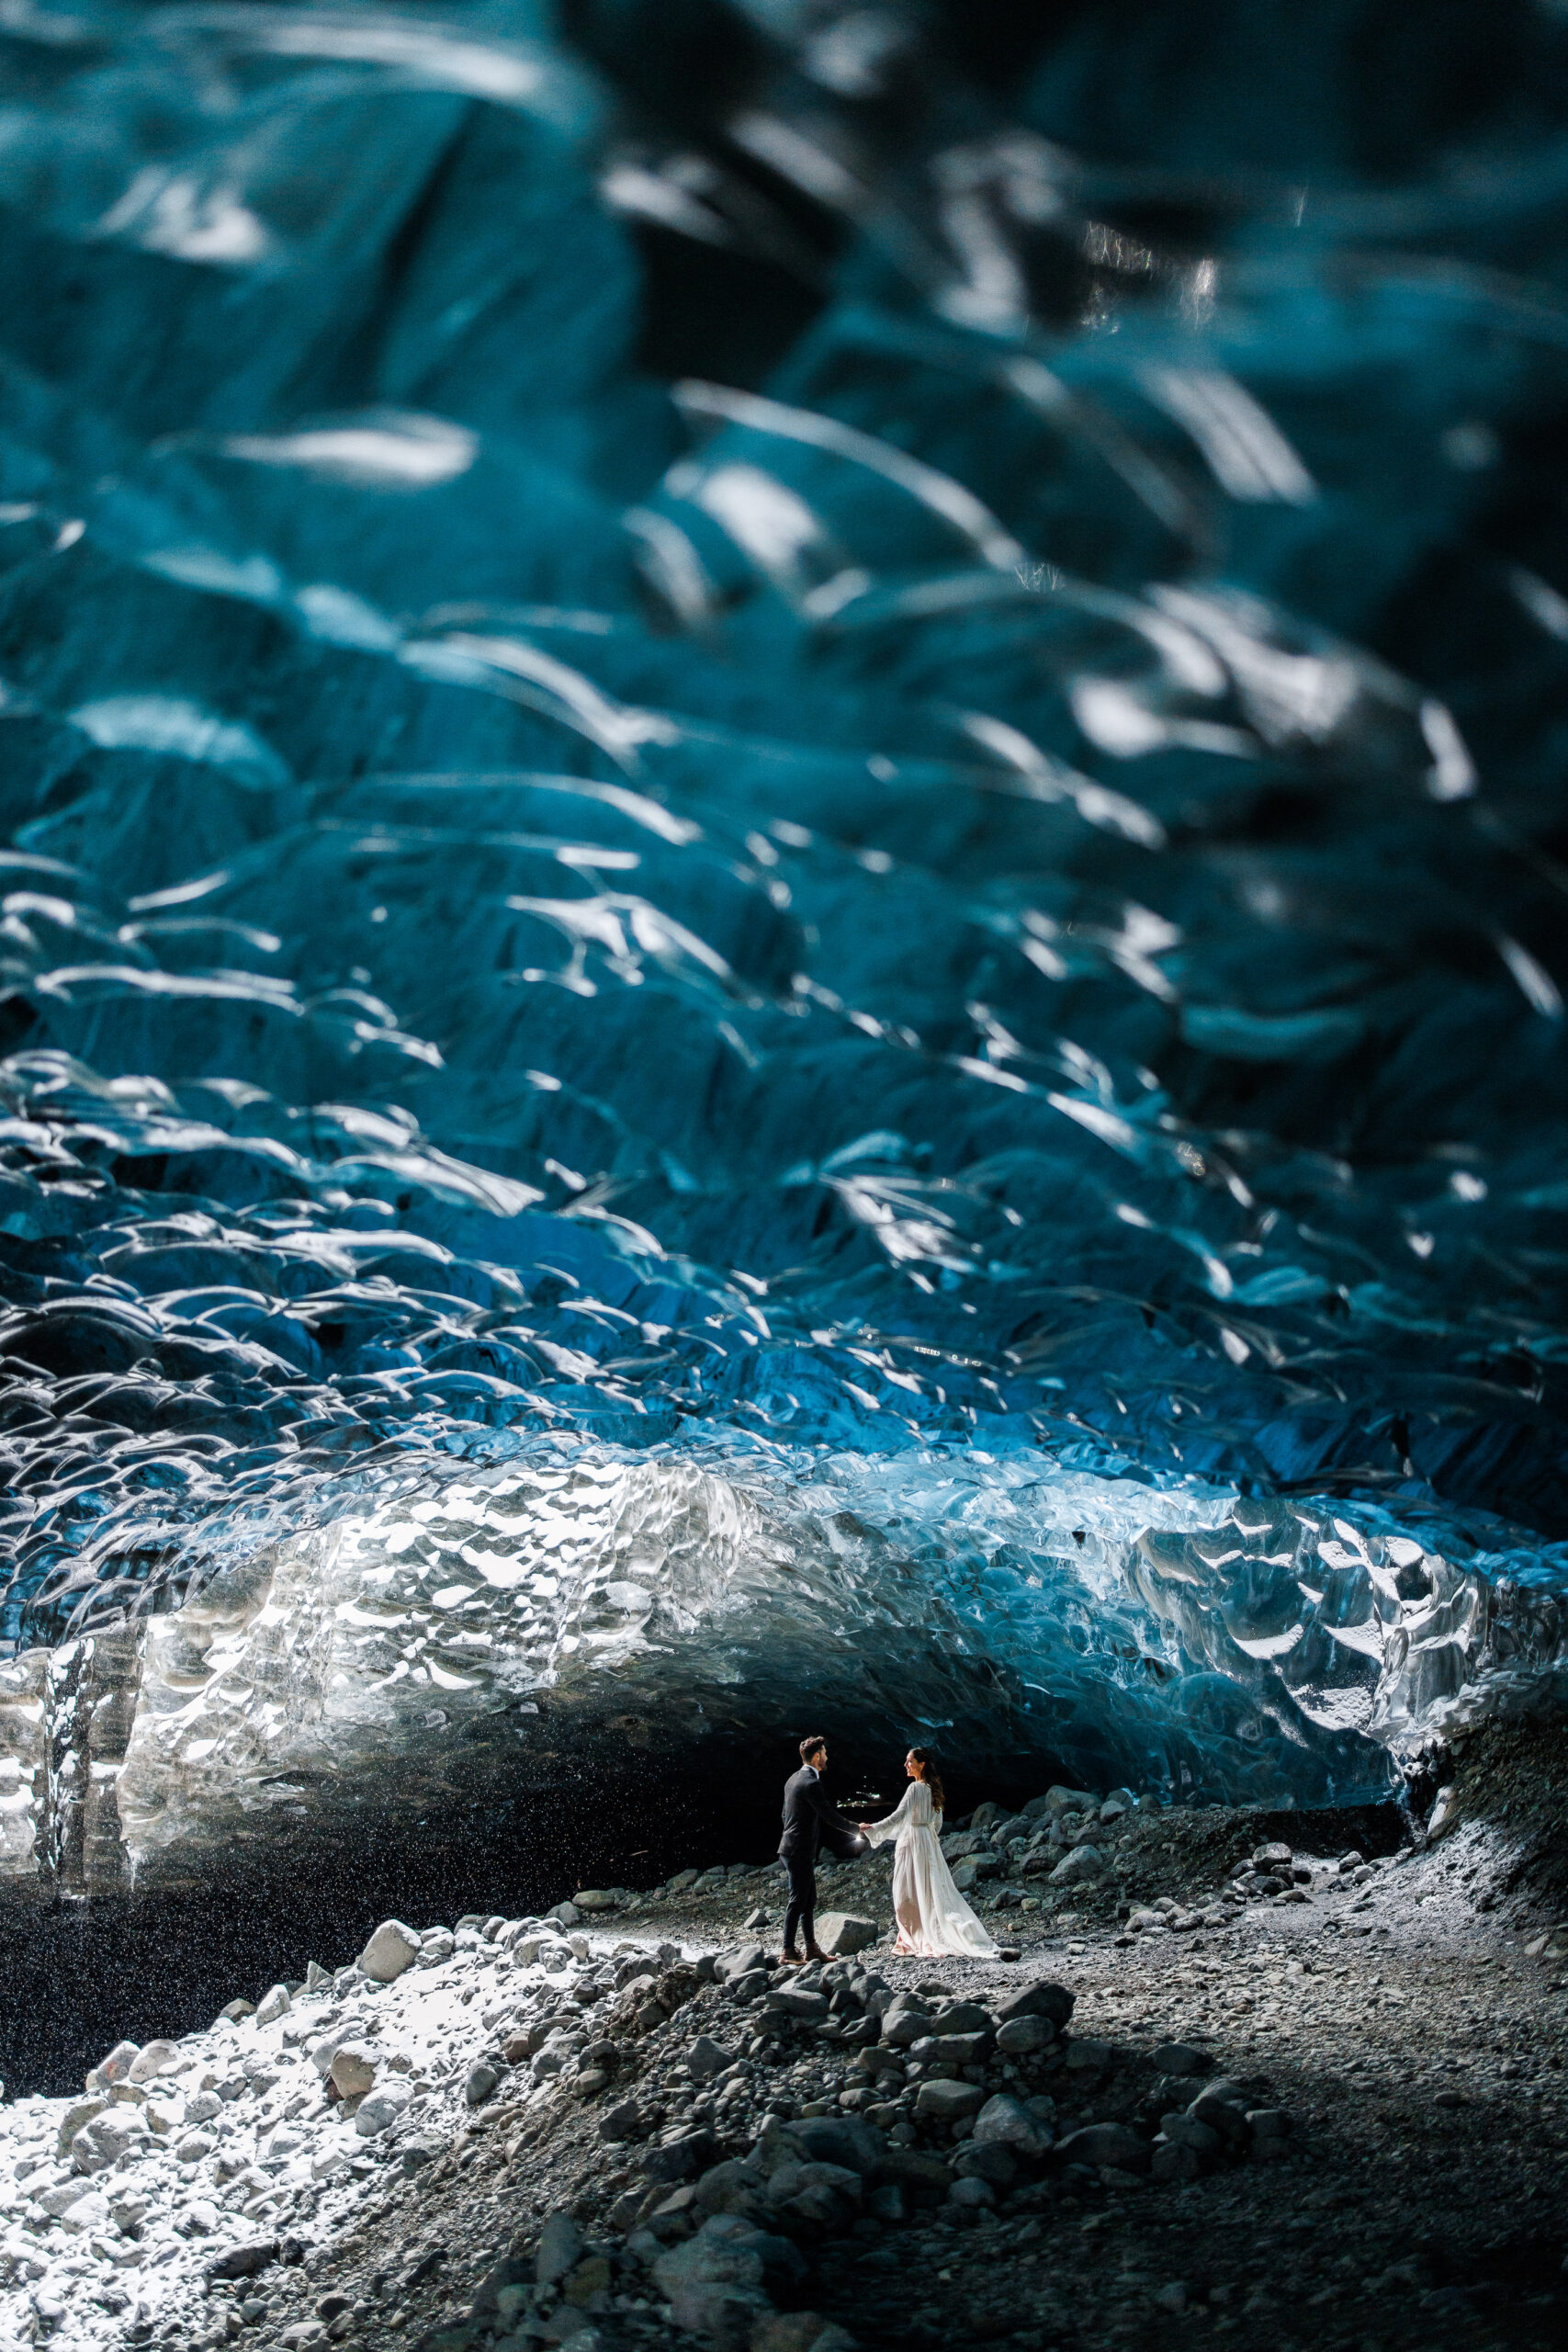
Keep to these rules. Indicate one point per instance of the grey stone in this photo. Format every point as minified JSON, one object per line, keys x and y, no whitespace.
{"x":731,"y":1966}
{"x":1082,"y":1863}
{"x":481,"y":2080}
{"x":971,"y":2194}
{"x":560,"y":2249}
{"x":351,"y":2069}
{"x":1086,"y":2056}
{"x":152,"y":2058}
{"x":1004,"y":2121}
{"x":1188,"y":2132}
{"x":1037,"y":2000}
{"x":1182,"y":2058}
{"x":1271,"y":2122}
{"x":274,"y":2004}
{"x":106,"y":2138}
{"x":948,"y":2102}
{"x":1020,"y":2037}
{"x":390,"y":1949}
{"x":1105,"y":2144}
{"x":706,"y":2057}
{"x":906,"y":2023}
{"x":841,"y":1933}
{"x":381,"y":2109}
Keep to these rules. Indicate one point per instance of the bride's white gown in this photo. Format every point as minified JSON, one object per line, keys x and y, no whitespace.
{"x":933,"y":1916}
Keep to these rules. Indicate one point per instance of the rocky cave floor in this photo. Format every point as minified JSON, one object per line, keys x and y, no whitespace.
{"x":619,"y":2132}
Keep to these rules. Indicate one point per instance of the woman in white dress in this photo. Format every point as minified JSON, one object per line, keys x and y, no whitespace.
{"x":932,"y":1916}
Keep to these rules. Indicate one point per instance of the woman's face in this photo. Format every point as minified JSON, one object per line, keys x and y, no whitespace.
{"x":910,"y":1766}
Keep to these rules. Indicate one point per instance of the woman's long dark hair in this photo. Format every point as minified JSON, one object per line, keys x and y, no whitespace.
{"x":926,"y":1759}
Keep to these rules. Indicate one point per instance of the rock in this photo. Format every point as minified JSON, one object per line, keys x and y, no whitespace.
{"x":479,"y":2082}
{"x":74,"y":2117}
{"x":382,"y":2108}
{"x":565,"y":1915}
{"x":800,"y":2001}
{"x":1004,"y":2122}
{"x":706,"y":2058}
{"x":796,"y":2331}
{"x":838,"y":2140}
{"x":234,"y":2010}
{"x":1223,"y":2105}
{"x":117,"y":2067}
{"x":274,"y":2004}
{"x":841,"y":1933}
{"x":390,"y":1949}
{"x":245,"y":2261}
{"x":1082,"y":1863}
{"x":625,"y":2121}
{"x":948,"y":2102}
{"x":1188,"y":2132}
{"x":1105,"y":2144}
{"x":731,"y":1966}
{"x":560,"y":2249}
{"x":972,"y":2195}
{"x":152,"y":2058}
{"x":598,"y":1898}
{"x":1059,"y":1799}
{"x":1182,"y":2058}
{"x":906,"y":2022}
{"x":1272,"y":1857}
{"x":1270,"y":2122}
{"x":351,"y":2069}
{"x":414,"y":2155}
{"x":1086,"y":2056}
{"x":1038,"y":2000}
{"x":106,"y":2138}
{"x":1020,"y":2037}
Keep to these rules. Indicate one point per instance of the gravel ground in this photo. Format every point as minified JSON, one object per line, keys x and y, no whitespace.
{"x":1408,"y":2011}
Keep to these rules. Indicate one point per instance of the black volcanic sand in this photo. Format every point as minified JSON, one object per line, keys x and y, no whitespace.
{"x":1422,"y":2051}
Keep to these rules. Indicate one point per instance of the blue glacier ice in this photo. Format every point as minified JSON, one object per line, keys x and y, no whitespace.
{"x":782,"y":891}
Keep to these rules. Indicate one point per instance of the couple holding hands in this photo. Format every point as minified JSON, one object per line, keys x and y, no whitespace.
{"x":933,"y":1919}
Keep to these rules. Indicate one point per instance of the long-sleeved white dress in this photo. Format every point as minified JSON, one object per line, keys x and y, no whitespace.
{"x":932,"y":1916}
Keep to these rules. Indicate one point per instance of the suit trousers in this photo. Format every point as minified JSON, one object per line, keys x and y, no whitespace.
{"x":802,"y":1898}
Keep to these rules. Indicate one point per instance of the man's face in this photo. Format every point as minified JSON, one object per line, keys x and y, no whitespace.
{"x":818,"y":1759}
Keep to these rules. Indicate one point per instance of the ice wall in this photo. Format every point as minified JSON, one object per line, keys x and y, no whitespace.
{"x":825,"y":748}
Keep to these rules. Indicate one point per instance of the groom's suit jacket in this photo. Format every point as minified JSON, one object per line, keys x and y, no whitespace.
{"x":811,"y":1820}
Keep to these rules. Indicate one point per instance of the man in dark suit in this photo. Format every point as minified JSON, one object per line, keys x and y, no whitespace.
{"x":810,"y":1821}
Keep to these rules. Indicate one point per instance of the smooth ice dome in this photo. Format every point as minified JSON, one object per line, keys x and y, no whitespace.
{"x":857,"y":992}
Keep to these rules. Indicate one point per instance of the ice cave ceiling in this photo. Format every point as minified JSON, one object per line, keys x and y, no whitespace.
{"x":784,"y":897}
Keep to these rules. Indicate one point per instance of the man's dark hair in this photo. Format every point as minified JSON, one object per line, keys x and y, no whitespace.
{"x":808,"y":1747}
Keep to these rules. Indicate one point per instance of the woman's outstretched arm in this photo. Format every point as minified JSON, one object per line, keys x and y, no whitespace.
{"x":880,"y":1831}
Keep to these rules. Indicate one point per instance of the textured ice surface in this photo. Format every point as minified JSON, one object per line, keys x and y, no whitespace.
{"x":725,"y":782}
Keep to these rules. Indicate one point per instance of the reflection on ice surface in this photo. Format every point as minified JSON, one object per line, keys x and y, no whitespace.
{"x":915,"y":910}
{"x":445,"y":1629}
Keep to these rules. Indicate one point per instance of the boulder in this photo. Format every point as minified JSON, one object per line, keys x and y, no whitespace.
{"x":560,"y":2249}
{"x":625,"y":2121}
{"x":1223,"y":2105}
{"x":1005,"y":2123}
{"x":479,"y":2082}
{"x":841,"y":1933}
{"x":1083,"y":1862}
{"x":351,"y":2069}
{"x":598,"y":1898}
{"x":838,"y":2140}
{"x":1182,"y":2058}
{"x":1037,"y":2000}
{"x":706,"y":2058}
{"x":1021,"y":2037}
{"x":375,"y":2113}
{"x":906,"y":2022}
{"x":948,"y":2102}
{"x":1105,"y":2144}
{"x":731,"y":1966}
{"x":108,"y":2137}
{"x":390,"y":1949}
{"x":152,"y":2058}
{"x":274,"y":2004}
